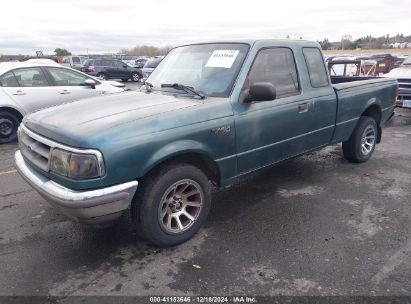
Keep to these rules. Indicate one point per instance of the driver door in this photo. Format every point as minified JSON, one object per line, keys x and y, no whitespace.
{"x":273,"y":130}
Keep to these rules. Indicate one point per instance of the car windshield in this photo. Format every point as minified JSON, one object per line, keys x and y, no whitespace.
{"x":208,"y":68}
{"x":407,"y":61}
{"x":153,"y":63}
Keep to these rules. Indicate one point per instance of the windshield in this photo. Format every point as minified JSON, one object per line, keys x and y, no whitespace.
{"x":208,"y":68}
{"x":153,"y":63}
{"x":407,"y":61}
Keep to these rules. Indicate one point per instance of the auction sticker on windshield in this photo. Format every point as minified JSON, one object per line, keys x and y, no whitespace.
{"x":222,"y":59}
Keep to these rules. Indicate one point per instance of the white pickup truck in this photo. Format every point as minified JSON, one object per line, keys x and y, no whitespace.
{"x":403,"y":75}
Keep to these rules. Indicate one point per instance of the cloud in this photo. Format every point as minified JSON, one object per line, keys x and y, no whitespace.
{"x":104,"y":26}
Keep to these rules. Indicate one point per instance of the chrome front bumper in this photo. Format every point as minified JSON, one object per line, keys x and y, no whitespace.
{"x":86,"y":206}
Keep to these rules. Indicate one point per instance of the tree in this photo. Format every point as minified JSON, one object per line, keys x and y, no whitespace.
{"x":146,"y":50}
{"x":346,"y":42}
{"x":325,"y":44}
{"x":62,"y":52}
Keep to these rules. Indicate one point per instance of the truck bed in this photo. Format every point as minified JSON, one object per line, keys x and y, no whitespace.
{"x":343,"y":79}
{"x":353,"y":96}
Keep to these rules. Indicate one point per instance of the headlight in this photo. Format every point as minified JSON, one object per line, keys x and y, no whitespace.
{"x":75,"y":165}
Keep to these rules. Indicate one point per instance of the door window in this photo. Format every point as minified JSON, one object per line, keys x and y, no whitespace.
{"x":64,"y":77}
{"x":316,"y":67}
{"x":8,"y":80}
{"x":118,"y":64}
{"x":107,"y":63}
{"x":31,"y":77}
{"x":276,"y":66}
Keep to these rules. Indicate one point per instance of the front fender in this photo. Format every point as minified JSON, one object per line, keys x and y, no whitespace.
{"x":174,"y":149}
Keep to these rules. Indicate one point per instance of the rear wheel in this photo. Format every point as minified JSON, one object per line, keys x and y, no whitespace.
{"x":102,"y":76}
{"x":8,"y":127}
{"x":360,"y":146}
{"x":172,"y":204}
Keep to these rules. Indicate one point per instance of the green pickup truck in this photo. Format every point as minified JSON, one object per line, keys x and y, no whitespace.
{"x":210,"y":113}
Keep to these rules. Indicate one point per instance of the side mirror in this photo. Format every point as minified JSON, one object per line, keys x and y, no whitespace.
{"x":261,"y":91}
{"x":125,"y":66}
{"x":91,"y":83}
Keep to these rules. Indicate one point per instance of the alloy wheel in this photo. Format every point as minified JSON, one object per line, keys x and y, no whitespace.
{"x":368,"y":140}
{"x":180,"y":206}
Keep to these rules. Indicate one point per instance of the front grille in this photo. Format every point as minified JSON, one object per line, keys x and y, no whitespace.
{"x":404,"y":88}
{"x":37,"y":152}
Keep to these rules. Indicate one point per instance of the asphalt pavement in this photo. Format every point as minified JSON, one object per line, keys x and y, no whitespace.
{"x":314,"y":225}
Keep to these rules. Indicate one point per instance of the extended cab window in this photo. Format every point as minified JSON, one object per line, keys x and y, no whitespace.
{"x":8,"y":80}
{"x":316,"y":67}
{"x":31,"y":77}
{"x":64,"y":77}
{"x":277,"y":66}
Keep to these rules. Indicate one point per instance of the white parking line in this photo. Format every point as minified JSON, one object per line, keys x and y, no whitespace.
{"x":8,"y":172}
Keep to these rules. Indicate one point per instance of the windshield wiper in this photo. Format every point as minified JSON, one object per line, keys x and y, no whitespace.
{"x":187,"y":89}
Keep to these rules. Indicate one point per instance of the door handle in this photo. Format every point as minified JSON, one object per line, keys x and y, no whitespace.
{"x":303,"y":107}
{"x":65,"y":92}
{"x":19,"y":92}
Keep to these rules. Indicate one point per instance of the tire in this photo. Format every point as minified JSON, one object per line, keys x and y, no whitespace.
{"x":162,"y":198}
{"x":360,"y":146}
{"x":124,"y":79}
{"x":8,"y":127}
{"x":102,"y":76}
{"x":135,"y":77}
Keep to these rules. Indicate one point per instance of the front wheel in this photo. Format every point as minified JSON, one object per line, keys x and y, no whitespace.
{"x":8,"y":127}
{"x":136,"y":77}
{"x":172,"y":204}
{"x":360,"y":146}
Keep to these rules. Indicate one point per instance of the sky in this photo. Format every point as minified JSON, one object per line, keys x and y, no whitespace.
{"x":99,"y":26}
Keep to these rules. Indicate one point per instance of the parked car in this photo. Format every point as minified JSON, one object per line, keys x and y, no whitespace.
{"x":74,"y":62}
{"x":210,"y":112}
{"x":140,"y":62}
{"x":28,"y":86}
{"x":136,"y":63}
{"x":403,"y":75}
{"x":111,"y":69}
{"x":150,"y":65}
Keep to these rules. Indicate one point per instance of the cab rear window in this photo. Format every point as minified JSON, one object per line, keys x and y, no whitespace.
{"x":316,"y":67}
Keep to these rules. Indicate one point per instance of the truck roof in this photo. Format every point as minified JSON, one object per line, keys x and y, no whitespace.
{"x":284,"y":42}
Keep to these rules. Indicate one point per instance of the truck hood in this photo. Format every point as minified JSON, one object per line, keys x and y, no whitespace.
{"x":126,"y":114}
{"x":401,"y":72}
